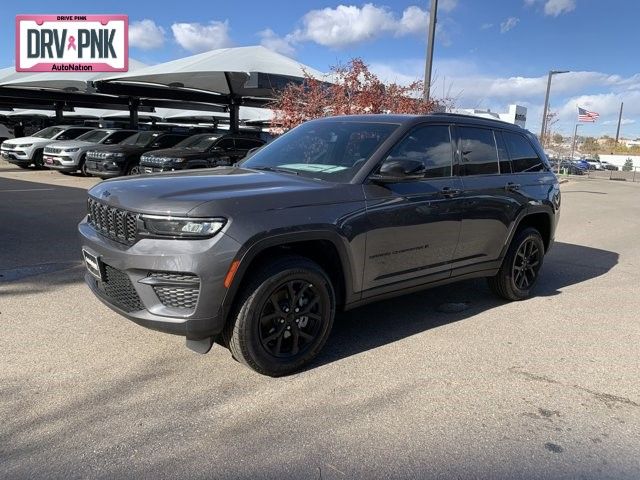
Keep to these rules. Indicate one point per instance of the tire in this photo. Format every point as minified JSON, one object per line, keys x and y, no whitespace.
{"x":38,"y":162}
{"x":517,"y":277}
{"x":82,"y":167}
{"x":265,"y":329}
{"x":134,"y":169}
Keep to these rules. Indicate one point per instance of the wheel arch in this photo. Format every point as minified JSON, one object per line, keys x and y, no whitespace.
{"x":323,"y":247}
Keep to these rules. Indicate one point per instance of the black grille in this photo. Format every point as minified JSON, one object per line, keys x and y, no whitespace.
{"x":119,"y":290}
{"x":177,"y":296}
{"x":117,"y":224}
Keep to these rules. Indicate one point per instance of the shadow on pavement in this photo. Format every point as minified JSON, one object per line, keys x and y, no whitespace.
{"x":391,"y":320}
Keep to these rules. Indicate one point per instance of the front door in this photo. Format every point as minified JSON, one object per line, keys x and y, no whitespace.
{"x":414,"y":226}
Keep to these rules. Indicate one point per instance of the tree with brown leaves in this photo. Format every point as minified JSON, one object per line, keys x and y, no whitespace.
{"x":352,"y":90}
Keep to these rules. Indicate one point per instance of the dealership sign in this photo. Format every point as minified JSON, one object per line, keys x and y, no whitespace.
{"x":72,"y":43}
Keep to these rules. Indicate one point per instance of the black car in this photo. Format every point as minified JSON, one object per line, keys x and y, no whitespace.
{"x":200,"y":151}
{"x":336,"y":213}
{"x":124,"y":157}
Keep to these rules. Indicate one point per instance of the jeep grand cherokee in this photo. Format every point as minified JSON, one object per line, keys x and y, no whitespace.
{"x":334,"y":214}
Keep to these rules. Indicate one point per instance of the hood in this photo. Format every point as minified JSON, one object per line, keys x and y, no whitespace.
{"x":178,"y":153}
{"x":73,"y":144}
{"x":25,"y":140}
{"x":120,"y":148}
{"x":220,"y":191}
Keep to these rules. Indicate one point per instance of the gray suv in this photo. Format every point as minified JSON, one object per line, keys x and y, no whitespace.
{"x":336,"y":213}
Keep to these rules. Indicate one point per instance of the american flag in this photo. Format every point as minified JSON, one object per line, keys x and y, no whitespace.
{"x":586,"y":115}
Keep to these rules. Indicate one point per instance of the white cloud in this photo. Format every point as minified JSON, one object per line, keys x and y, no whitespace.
{"x":470,"y":87}
{"x":271,"y":40}
{"x":508,"y":24}
{"x":196,"y":37}
{"x":558,"y":7}
{"x":146,"y":35}
{"x":447,"y":5}
{"x":554,"y":7}
{"x":348,"y":24}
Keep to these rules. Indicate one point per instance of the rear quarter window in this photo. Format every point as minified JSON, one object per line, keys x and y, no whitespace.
{"x":524,"y":157}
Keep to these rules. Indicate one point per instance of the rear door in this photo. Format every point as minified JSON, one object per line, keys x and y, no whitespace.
{"x":488,"y":201}
{"x":414,"y":226}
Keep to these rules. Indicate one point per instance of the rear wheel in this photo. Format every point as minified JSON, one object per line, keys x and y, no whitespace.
{"x":519,"y":271}
{"x":283,"y":318}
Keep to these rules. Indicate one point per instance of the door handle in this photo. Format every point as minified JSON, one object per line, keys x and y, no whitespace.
{"x":449,"y":192}
{"x":512,"y":187}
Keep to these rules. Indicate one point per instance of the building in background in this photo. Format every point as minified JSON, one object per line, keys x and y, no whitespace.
{"x":517,"y":114}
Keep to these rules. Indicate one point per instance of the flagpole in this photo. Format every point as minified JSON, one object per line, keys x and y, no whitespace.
{"x":573,"y":146}
{"x":619,"y":122}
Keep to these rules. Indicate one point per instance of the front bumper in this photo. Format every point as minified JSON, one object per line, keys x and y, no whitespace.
{"x":105,"y":168}
{"x":16,"y":157}
{"x":61,"y":163}
{"x":134,"y":295}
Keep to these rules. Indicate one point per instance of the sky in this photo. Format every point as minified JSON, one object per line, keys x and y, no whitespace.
{"x":488,"y":53}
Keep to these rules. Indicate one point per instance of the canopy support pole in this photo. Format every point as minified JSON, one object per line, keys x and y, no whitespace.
{"x":59,"y":106}
{"x":134,"y":103}
{"x":234,"y":115}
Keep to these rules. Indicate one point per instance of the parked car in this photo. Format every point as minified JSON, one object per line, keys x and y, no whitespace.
{"x":572,"y":168}
{"x":124,"y":158}
{"x":200,"y":151}
{"x":69,"y":156}
{"x":594,"y":164}
{"x":583,"y":164}
{"x":608,"y":166}
{"x":336,"y":213}
{"x":25,"y":151}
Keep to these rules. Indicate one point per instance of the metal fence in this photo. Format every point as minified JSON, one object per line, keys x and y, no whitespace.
{"x":632,"y":176}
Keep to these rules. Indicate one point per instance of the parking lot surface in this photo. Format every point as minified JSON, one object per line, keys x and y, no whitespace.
{"x":447,"y":383}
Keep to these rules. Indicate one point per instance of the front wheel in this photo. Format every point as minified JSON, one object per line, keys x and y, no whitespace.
{"x":283,"y":318}
{"x":519,"y":271}
{"x":38,"y":161}
{"x":134,"y":170}
{"x":83,"y":167}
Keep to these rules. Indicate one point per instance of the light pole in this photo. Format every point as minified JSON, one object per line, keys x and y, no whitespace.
{"x":430,"y":41}
{"x":546,"y":103}
{"x":573,"y":146}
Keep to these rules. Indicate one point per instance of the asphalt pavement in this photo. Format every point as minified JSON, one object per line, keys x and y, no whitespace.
{"x":405,"y":388}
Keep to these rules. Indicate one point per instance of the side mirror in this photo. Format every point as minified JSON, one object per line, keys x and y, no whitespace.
{"x":402,"y":170}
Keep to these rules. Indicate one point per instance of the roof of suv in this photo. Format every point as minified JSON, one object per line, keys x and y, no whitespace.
{"x":438,"y":117}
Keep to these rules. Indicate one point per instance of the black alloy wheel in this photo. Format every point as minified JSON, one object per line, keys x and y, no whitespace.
{"x":525,"y":264}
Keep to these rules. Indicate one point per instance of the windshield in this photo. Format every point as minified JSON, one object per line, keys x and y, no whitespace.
{"x":331,"y":150}
{"x":48,"y":132}
{"x":94,"y":136}
{"x":198,"y":142}
{"x":141,"y":139}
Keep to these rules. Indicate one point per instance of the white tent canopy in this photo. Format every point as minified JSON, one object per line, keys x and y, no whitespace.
{"x":67,"y":81}
{"x":208,"y":71}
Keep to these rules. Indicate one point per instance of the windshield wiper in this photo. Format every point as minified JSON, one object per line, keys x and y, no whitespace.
{"x":276,"y":169}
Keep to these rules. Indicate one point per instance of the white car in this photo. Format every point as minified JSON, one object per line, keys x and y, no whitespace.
{"x":24,"y":151}
{"x":68,"y":156}
{"x":594,"y":165}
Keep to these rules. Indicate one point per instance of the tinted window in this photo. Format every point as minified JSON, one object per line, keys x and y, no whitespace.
{"x":430,"y":145}
{"x":94,"y":136}
{"x":48,"y":132}
{"x":478,"y":151}
{"x":523,"y":157}
{"x":167,"y":141}
{"x":247,"y":143}
{"x":141,"y":139}
{"x":503,"y":154}
{"x":117,"y":137}
{"x":199,"y":142}
{"x":225,"y":143}
{"x":71,"y":133}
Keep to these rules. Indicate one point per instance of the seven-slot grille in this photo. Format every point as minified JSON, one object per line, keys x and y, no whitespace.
{"x":52,"y":150}
{"x":114,"y":223}
{"x":156,"y":161}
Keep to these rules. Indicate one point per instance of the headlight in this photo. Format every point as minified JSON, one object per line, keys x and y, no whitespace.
{"x":178,"y":160}
{"x":71,"y":150}
{"x":182,"y":227}
{"x":25,"y":145}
